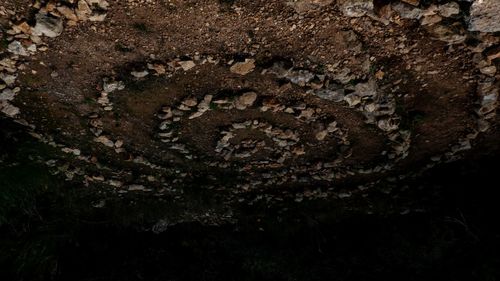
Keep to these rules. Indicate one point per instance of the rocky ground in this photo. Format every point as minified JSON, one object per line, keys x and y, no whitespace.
{"x":216,"y":106}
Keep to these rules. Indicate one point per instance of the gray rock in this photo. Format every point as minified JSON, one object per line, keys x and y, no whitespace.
{"x":9,"y":109}
{"x":333,"y":95}
{"x":485,"y":16}
{"x":449,"y":9}
{"x":17,"y":48}
{"x":47,"y":25}
{"x":7,"y":94}
{"x":356,"y":8}
{"x":8,"y":78}
{"x":407,"y":12}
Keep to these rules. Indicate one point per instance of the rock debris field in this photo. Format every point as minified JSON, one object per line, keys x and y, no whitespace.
{"x":249,"y":100}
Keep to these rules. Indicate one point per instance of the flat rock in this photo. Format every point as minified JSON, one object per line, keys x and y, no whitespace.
{"x":47,"y":25}
{"x":356,"y":8}
{"x":245,"y":100}
{"x":9,"y":109}
{"x":302,"y":6}
{"x":485,"y":16}
{"x":187,"y":65}
{"x":243,"y":68}
{"x":17,"y":48}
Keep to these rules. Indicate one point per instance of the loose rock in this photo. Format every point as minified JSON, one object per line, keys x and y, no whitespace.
{"x":243,"y":68}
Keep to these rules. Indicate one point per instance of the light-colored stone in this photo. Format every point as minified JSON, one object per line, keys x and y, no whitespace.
{"x":407,"y":12}
{"x":302,"y":6}
{"x":485,"y":16}
{"x":243,"y":68}
{"x":7,"y":95}
{"x":9,"y":79}
{"x":245,"y":100}
{"x":17,"y":48}
{"x":105,"y":140}
{"x":187,"y":65}
{"x":489,"y":70}
{"x":356,"y":8}
{"x":139,"y":74}
{"x":83,"y":10}
{"x":47,"y":25}
{"x":9,"y":109}
{"x":449,"y":9}
{"x":67,"y":13}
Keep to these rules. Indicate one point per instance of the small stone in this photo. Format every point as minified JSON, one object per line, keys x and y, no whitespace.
{"x":245,"y":100}
{"x":302,"y":6}
{"x":321,"y":135}
{"x":430,"y":20}
{"x":83,"y":10}
{"x":136,"y":187}
{"x":449,"y":9}
{"x":333,"y":95}
{"x":104,"y":140}
{"x":190,"y":102}
{"x":356,"y":8}
{"x":139,"y":74}
{"x":109,"y":87}
{"x":489,"y":70}
{"x":412,"y":2}
{"x":187,"y":65}
{"x":243,"y":68}
{"x":352,"y":99}
{"x":24,"y":27}
{"x":8,"y":78}
{"x":48,"y":25}
{"x":67,"y":13}
{"x":118,"y":143}
{"x":97,"y":17}
{"x":102,"y":4}
{"x":17,"y":48}
{"x":387,"y":125}
{"x":9,"y":109}
{"x":368,"y":89}
{"x":407,"y":12}
{"x":7,"y":95}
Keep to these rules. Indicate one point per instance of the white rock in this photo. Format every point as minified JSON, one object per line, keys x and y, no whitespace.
{"x":104,"y":140}
{"x":17,"y":48}
{"x":9,"y":79}
{"x":9,"y":109}
{"x":47,"y":25}
{"x":109,"y":87}
{"x":187,"y":65}
{"x":139,"y":74}
{"x":356,"y":8}
{"x":7,"y":95}
{"x":352,"y":99}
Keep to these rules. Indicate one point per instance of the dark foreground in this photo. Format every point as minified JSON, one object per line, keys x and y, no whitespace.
{"x":48,"y":231}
